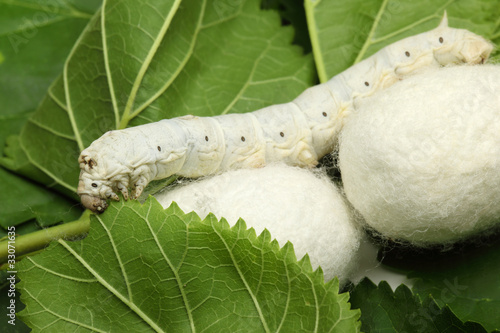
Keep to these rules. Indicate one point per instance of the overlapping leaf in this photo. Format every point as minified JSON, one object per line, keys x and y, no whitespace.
{"x":338,"y":43}
{"x":292,"y":12}
{"x":466,"y":281}
{"x":145,"y":269}
{"x":31,"y":56}
{"x":400,"y":311}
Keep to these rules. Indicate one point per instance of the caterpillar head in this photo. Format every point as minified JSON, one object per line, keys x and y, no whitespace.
{"x":88,"y":190}
{"x":93,"y":188}
{"x":452,"y":46}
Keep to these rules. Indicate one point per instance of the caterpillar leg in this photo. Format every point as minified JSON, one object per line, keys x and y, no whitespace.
{"x":123,"y":188}
{"x":140,"y":179}
{"x":113,"y":196}
{"x":138,"y":188}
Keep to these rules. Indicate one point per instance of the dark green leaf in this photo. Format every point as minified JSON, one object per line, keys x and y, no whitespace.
{"x":26,"y":200}
{"x":35,"y":38}
{"x":9,"y":301}
{"x":292,"y":12}
{"x":383,"y":310}
{"x":467,"y":281}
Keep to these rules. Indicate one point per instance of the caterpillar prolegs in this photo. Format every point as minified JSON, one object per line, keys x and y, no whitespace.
{"x":297,"y":133}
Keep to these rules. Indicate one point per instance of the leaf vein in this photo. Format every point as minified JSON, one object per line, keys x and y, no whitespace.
{"x":133,"y":307}
{"x":368,"y":40}
{"x":182,"y":63}
{"x":51,"y":130}
{"x":59,"y":316}
{"x":64,"y":276}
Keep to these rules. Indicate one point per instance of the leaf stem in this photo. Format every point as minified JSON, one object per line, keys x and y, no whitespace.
{"x":39,"y":239}
{"x":313,"y":34}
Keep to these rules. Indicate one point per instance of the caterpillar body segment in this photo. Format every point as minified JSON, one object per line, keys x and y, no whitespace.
{"x":245,"y":148}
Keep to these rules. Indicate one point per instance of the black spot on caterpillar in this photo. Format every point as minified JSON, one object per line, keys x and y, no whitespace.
{"x":312,"y":122}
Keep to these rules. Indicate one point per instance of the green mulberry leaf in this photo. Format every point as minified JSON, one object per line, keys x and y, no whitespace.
{"x":142,"y":268}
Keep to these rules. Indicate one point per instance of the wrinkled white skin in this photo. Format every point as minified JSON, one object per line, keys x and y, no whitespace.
{"x":296,"y":133}
{"x":294,"y":204}
{"x":421,"y":160}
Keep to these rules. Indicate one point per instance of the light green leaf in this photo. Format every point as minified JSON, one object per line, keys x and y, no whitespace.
{"x":165,"y":60}
{"x":345,"y":32}
{"x":383,"y":310}
{"x":141,"y":71}
{"x":147,"y":269}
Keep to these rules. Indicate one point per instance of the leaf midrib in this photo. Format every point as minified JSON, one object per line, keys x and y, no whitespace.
{"x":173,"y":269}
{"x":121,"y":122}
{"x":242,"y":278}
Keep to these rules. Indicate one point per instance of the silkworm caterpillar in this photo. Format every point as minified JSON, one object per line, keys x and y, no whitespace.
{"x":297,"y":133}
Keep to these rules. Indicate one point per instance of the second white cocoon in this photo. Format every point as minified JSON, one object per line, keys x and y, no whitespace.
{"x":421,"y":160}
{"x":294,"y":204}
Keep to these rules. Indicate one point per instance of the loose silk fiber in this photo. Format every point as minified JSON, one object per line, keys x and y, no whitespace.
{"x":421,"y":160}
{"x":294,"y":204}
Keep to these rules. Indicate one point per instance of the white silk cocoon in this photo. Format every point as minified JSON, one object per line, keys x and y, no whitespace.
{"x":421,"y":160}
{"x":294,"y":204}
